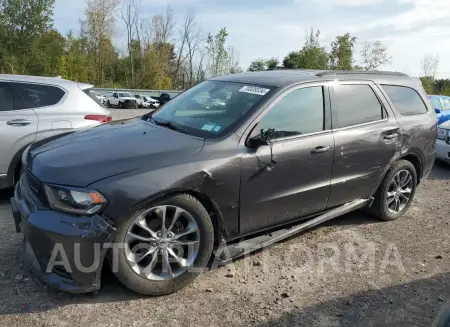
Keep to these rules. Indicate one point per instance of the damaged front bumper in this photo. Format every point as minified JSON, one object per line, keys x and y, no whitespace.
{"x":67,"y":252}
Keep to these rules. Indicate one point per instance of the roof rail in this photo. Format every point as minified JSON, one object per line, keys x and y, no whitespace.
{"x":358,"y":72}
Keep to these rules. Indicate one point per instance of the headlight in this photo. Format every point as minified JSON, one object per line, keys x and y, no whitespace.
{"x":75,"y":201}
{"x":443,"y":134}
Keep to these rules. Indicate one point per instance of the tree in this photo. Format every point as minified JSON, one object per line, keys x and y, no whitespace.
{"x":258,"y":64}
{"x":374,"y":55}
{"x":311,"y":56}
{"x":130,"y":16}
{"x":98,"y":28}
{"x":22,"y":23}
{"x":272,"y":63}
{"x":232,"y":63}
{"x":189,"y":42}
{"x":341,"y":55}
{"x":429,"y":64}
{"x":217,"y":54}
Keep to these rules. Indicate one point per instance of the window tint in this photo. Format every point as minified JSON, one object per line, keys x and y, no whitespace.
{"x":355,"y":104}
{"x":6,"y":98}
{"x":299,"y":112}
{"x":406,"y":100}
{"x":29,"y":96}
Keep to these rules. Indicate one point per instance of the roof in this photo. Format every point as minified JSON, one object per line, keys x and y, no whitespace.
{"x":277,"y":78}
{"x":44,"y":80}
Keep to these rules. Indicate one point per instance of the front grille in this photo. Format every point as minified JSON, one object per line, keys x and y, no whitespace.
{"x":35,"y":189}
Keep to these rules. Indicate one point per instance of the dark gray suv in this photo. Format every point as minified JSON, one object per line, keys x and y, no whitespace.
{"x":232,"y":165}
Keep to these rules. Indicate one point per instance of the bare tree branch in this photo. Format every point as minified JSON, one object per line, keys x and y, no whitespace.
{"x":374,"y":55}
{"x":429,"y":65}
{"x":129,"y":13}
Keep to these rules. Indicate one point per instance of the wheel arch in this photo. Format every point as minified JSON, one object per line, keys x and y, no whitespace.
{"x":417,"y":162}
{"x":211,"y":207}
{"x":15,"y":165}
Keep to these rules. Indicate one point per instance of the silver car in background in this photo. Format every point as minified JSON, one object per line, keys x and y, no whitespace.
{"x":34,"y":108}
{"x":443,"y":142}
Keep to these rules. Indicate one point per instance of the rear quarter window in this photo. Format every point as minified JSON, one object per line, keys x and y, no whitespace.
{"x":91,"y":94}
{"x":31,"y":96}
{"x":405,"y":99}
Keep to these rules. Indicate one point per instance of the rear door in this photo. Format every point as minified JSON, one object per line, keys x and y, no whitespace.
{"x":17,"y":127}
{"x":366,"y":137}
{"x":297,"y":183}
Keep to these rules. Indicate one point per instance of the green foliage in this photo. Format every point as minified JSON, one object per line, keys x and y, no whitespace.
{"x":218,"y":55}
{"x":311,"y":56}
{"x":341,"y":54}
{"x":263,"y":64}
{"x":272,"y":63}
{"x":438,"y":86}
{"x":22,"y":27}
{"x":258,"y":64}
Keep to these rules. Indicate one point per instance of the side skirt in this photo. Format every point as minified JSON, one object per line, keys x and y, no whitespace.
{"x":226,"y":253}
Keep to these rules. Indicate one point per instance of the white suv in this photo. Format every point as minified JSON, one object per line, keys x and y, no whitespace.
{"x":33,"y":108}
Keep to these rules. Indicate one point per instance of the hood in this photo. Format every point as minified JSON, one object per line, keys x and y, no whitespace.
{"x":84,"y":157}
{"x":127,"y":98}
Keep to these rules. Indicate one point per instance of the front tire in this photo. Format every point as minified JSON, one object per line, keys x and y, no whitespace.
{"x":122,"y":105}
{"x":108,"y":104}
{"x":396,"y":192}
{"x":162,"y":244}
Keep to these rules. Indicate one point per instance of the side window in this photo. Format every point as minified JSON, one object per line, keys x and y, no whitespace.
{"x":445,"y":104}
{"x":298,"y":112}
{"x":30,"y":96}
{"x":436,"y":103}
{"x":6,"y":98}
{"x":354,"y":105}
{"x":405,"y":99}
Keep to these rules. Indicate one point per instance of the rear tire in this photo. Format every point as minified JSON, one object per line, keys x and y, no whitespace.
{"x":151,"y":276}
{"x":108,"y":104}
{"x":396,"y":192}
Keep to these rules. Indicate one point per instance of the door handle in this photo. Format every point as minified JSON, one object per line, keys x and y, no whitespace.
{"x":321,"y":149}
{"x":19,"y":122}
{"x":390,"y":136}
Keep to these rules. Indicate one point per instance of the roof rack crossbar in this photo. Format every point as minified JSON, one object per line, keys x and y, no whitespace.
{"x":359,"y":72}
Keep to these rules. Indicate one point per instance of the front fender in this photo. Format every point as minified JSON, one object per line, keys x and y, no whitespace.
{"x":218,"y":180}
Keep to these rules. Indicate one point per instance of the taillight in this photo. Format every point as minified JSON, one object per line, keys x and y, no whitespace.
{"x":99,"y":118}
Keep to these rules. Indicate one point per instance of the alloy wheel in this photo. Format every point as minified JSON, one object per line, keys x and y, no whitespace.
{"x":399,"y":192}
{"x":162,"y":243}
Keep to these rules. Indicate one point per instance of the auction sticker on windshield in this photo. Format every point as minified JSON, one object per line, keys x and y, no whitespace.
{"x":254,"y":90}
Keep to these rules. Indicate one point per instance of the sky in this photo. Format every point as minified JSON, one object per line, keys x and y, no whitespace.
{"x":273,"y":28}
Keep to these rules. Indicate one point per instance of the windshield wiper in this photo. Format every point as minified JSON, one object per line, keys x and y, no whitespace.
{"x":166,"y":123}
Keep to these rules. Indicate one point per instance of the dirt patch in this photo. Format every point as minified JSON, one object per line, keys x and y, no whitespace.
{"x":354,"y":271}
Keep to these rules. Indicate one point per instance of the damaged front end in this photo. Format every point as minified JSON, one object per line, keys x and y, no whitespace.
{"x":66,"y":251}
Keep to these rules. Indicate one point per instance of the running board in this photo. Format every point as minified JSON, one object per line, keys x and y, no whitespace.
{"x":226,"y":253}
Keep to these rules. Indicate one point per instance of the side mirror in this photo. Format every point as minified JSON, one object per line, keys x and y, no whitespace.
{"x":256,"y":142}
{"x":437,"y":110}
{"x":263,"y":138}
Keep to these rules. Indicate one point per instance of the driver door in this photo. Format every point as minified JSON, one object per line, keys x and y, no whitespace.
{"x":297,"y":183}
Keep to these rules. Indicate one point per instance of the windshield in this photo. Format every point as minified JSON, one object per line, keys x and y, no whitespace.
{"x":211,"y":107}
{"x":125,"y":95}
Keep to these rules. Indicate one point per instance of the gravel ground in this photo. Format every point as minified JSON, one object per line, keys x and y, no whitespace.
{"x":354,"y":271}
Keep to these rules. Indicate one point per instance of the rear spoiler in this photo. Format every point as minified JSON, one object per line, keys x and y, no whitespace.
{"x":84,"y":86}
